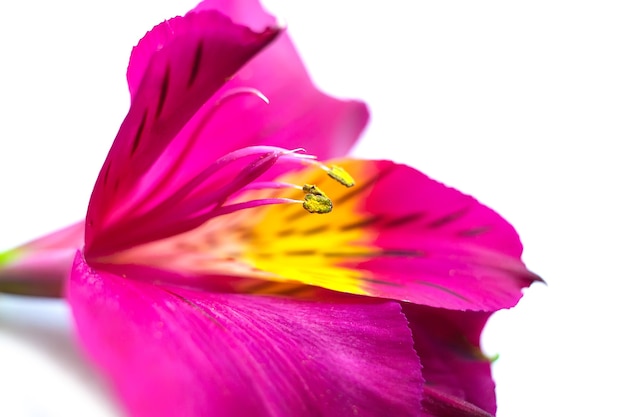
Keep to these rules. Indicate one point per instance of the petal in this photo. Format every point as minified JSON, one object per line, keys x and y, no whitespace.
{"x":441,"y":404}
{"x":245,"y":12}
{"x":186,"y":60}
{"x":299,"y":115}
{"x":171,"y":351}
{"x":41,"y":267}
{"x":396,"y":234}
{"x":448,"y":344}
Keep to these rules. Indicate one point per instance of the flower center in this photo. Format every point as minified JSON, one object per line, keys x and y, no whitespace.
{"x":240,"y":180}
{"x":179,"y":193}
{"x":214,"y":194}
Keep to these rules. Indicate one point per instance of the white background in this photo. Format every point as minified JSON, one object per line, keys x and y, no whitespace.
{"x":521,"y":104}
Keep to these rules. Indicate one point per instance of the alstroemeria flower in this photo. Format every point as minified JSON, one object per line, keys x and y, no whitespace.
{"x":210,"y":284}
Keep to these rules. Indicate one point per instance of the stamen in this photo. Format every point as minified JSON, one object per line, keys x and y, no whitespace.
{"x":263,"y":151}
{"x":241,"y":91}
{"x":340,"y":175}
{"x":318,"y":204}
{"x":195,"y":136}
{"x":231,"y":208}
{"x":202,"y":198}
{"x":313,"y":189}
{"x":315,"y":200}
{"x":270,"y":185}
{"x":335,"y":172}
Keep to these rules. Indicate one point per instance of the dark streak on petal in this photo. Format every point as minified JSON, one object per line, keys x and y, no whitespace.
{"x":247,"y":235}
{"x":371,"y":254}
{"x":195,"y":306}
{"x":368,"y":221}
{"x":315,"y":230}
{"x":195,"y":66}
{"x":442,"y":288}
{"x":285,"y":232}
{"x":278,"y":288}
{"x":379,"y":282}
{"x":303,"y":252}
{"x":163,"y":93}
{"x":401,"y":221}
{"x":105,"y":177}
{"x":137,"y":138}
{"x":442,"y":221}
{"x":395,"y":253}
{"x":403,"y":253}
{"x":294,"y":290}
{"x":476,"y":231}
{"x":364,"y":187}
{"x":257,"y":286}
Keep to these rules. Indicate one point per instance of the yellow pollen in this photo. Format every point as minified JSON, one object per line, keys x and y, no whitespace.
{"x":340,"y":175}
{"x":313,"y":189}
{"x":319,"y":204}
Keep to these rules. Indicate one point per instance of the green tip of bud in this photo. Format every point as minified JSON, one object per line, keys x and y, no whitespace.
{"x":313,"y":189}
{"x":340,"y":175}
{"x":319,"y":204}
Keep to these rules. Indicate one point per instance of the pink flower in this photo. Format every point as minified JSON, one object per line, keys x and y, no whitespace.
{"x":205,"y":288}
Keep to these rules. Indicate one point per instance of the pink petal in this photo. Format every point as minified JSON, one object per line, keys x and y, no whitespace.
{"x":185,"y":61}
{"x":171,"y":351}
{"x":396,"y":234}
{"x":448,"y":344}
{"x":299,"y":115}
{"x":444,"y":247}
{"x":41,"y":267}
{"x":245,"y":12}
{"x":440,"y":404}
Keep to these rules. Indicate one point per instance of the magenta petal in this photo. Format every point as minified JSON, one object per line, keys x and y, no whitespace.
{"x":299,"y":115}
{"x":440,"y":247}
{"x":175,"y":352}
{"x":448,"y":344}
{"x":245,"y":12}
{"x":186,"y":60}
{"x":396,"y":234}
{"x":440,"y":404}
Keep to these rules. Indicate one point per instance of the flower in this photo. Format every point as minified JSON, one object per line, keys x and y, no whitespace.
{"x":232,"y":266}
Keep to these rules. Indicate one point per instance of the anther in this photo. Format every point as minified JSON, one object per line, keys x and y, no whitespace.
{"x":335,"y":172}
{"x":313,"y":189}
{"x":340,"y":175}
{"x":318,"y":204}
